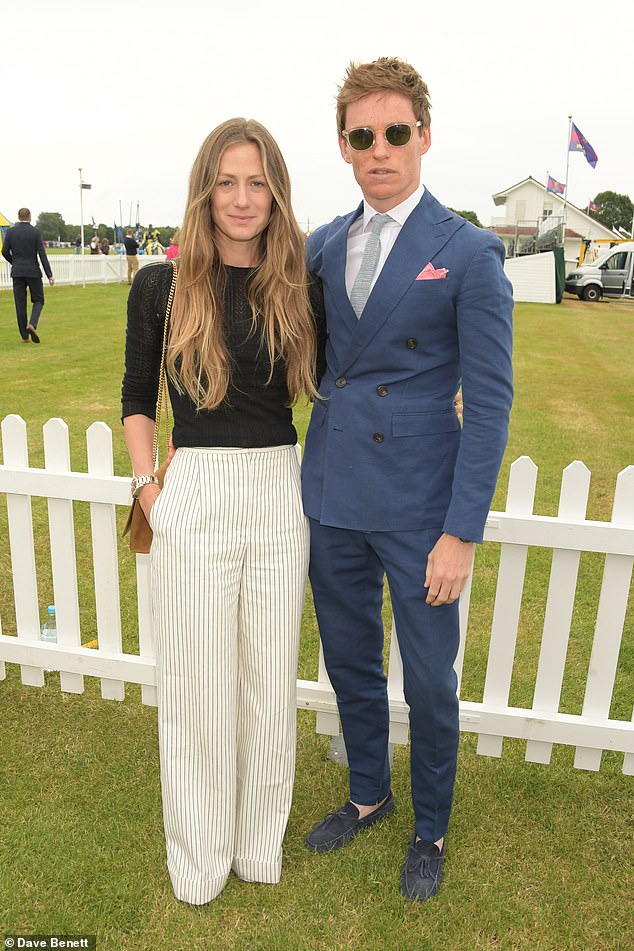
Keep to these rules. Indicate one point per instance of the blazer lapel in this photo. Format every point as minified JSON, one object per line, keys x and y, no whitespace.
{"x":426,"y":231}
{"x":334,"y":263}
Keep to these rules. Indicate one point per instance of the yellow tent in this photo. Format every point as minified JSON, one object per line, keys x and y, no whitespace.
{"x":4,"y":224}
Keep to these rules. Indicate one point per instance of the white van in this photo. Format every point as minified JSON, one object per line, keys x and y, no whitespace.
{"x":610,"y":275}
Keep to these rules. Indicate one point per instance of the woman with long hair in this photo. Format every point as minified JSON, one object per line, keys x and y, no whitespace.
{"x":230,"y":551}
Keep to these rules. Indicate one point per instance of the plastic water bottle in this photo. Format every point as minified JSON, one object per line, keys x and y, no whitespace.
{"x":49,"y":629}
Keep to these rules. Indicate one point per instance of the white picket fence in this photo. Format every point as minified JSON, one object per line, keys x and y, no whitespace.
{"x":85,"y":269}
{"x":517,"y":529}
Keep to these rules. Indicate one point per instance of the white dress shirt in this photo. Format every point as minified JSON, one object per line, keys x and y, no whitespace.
{"x":360,"y":230}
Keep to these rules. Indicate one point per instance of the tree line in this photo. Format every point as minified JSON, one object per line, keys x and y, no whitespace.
{"x":613,"y":210}
{"x":54,"y":228}
{"x":610,"y":208}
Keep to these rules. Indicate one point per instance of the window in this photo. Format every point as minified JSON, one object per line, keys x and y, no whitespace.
{"x":616,"y":262}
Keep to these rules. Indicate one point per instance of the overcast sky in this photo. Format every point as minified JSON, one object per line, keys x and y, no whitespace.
{"x":128,"y":91}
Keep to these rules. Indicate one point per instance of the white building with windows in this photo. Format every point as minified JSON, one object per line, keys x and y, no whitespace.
{"x":534,"y":221}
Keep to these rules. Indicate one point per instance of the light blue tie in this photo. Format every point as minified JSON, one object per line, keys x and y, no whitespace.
{"x":363,"y":281}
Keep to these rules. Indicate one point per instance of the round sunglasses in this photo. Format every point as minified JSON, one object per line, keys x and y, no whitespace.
{"x":397,"y":135}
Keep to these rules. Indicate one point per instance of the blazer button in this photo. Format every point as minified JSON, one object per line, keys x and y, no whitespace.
{"x":382,"y":390}
{"x":378,"y":437}
{"x":412,"y":343}
{"x":341,"y":382}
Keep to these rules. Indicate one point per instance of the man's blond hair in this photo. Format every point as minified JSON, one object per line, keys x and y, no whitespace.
{"x":386,"y":74}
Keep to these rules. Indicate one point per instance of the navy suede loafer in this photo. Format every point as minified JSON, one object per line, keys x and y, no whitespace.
{"x":32,"y":334}
{"x":338,"y":828}
{"x":422,"y":872}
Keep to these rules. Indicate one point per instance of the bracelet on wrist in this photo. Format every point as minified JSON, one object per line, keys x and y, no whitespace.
{"x":141,"y":480}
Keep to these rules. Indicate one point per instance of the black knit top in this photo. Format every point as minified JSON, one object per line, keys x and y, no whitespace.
{"x":254,"y":413}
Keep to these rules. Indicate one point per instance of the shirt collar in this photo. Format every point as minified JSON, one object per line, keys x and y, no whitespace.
{"x":400,"y":213}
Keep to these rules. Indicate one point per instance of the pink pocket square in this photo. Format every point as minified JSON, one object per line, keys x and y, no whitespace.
{"x":430,"y":273}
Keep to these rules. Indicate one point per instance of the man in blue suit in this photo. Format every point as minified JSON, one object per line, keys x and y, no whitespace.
{"x":392,"y":484}
{"x":22,"y":247}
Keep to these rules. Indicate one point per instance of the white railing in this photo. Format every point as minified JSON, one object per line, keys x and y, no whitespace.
{"x":85,"y":269}
{"x":517,"y":529}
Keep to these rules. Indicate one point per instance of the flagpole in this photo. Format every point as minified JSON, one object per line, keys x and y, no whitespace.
{"x":81,"y":210}
{"x":566,"y":183}
{"x":567,"y":162}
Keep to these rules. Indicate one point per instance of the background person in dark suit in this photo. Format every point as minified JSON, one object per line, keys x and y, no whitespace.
{"x":417,"y":304}
{"x":131,"y":253}
{"x":22,"y":246}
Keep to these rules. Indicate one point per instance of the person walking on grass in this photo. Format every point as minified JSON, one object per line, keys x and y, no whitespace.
{"x":131,"y":253}
{"x":22,"y":247}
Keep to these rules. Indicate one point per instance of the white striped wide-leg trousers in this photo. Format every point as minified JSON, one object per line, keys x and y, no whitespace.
{"x":229,"y":563}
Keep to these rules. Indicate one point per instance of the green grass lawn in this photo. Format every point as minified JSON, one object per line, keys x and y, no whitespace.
{"x":539,"y":857}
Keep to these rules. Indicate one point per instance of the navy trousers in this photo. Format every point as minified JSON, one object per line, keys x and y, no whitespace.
{"x":347,"y":569}
{"x":36,"y":288}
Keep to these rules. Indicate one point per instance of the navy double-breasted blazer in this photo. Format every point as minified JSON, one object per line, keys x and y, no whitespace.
{"x":384,"y":449}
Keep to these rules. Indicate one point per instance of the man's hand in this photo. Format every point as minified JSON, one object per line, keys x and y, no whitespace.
{"x":51,"y":281}
{"x":448,"y":567}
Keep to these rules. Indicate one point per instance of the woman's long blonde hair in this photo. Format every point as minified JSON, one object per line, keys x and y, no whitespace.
{"x":197,"y":358}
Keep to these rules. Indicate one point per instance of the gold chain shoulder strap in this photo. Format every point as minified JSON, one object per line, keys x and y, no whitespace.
{"x":162,"y":389}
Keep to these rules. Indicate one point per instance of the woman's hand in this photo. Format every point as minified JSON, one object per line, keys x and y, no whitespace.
{"x":147,"y":497}
{"x":458,"y":405}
